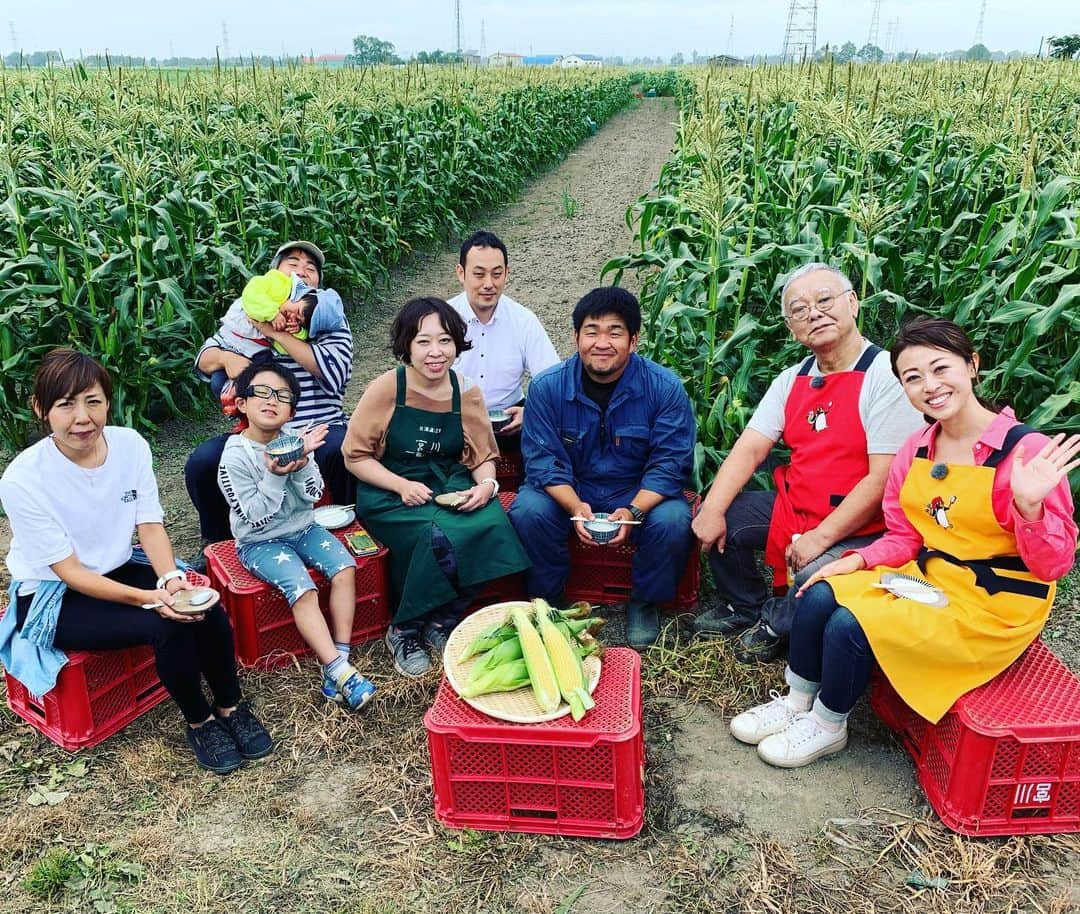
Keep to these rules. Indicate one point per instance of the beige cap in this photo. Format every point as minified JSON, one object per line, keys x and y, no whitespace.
{"x":307,"y":247}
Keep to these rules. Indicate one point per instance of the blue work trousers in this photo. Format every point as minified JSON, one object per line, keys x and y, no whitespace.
{"x":663,"y":543}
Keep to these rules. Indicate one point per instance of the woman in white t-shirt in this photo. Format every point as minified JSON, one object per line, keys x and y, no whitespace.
{"x":74,"y":500}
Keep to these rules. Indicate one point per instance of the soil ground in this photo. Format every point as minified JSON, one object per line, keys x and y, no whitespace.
{"x":340,"y":817}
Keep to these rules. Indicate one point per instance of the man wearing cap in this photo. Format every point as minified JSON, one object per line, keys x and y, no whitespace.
{"x":508,"y":340}
{"x":322,"y":364}
{"x":843,"y":415}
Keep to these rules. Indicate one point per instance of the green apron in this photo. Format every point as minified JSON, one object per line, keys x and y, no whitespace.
{"x":426,"y":447}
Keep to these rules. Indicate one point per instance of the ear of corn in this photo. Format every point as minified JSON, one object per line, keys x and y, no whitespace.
{"x":504,"y":678}
{"x":487,"y":640}
{"x":565,"y":662}
{"x":541,"y":675}
{"x":504,"y":652}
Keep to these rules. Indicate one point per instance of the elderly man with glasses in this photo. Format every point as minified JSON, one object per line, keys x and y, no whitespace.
{"x":843,"y":415}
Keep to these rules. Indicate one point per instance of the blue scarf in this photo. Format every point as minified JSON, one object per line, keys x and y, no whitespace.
{"x":29,"y":655}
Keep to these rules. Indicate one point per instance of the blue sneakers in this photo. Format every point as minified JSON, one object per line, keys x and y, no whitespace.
{"x":353,"y":690}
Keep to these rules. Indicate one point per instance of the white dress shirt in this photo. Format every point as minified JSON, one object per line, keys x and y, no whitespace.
{"x":504,"y":349}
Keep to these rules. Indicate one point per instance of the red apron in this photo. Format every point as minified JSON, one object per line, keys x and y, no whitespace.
{"x":823,"y":428}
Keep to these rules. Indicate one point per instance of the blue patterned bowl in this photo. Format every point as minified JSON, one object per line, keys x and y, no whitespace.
{"x":601,"y":529}
{"x":285,"y":449}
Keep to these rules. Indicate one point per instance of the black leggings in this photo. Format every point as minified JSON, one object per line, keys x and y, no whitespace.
{"x":184,"y":652}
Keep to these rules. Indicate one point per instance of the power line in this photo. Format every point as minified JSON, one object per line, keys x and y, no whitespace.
{"x":800,"y":36}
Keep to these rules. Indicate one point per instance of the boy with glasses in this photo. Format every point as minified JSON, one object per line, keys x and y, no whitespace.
{"x":271,"y":513}
{"x":843,"y":415}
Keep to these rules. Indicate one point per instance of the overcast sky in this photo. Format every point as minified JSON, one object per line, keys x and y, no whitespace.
{"x":160,"y":28}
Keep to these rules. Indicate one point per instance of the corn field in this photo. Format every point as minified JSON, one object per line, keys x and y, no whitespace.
{"x":137,"y":203}
{"x":946,"y":189}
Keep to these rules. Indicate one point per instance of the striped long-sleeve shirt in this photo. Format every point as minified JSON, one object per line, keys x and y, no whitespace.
{"x":320,"y":398}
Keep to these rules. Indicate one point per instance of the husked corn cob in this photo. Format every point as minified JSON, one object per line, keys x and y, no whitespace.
{"x":565,"y":662}
{"x":504,"y":678}
{"x":541,"y":675}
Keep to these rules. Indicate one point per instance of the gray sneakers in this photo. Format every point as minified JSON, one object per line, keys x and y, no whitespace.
{"x":408,"y":651}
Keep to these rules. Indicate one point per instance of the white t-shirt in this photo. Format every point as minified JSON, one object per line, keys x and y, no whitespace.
{"x":58,"y":508}
{"x":512,"y":343}
{"x":888,"y":418}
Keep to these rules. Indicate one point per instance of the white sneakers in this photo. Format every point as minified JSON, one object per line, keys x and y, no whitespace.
{"x":764,"y":720}
{"x":787,"y":734}
{"x":804,"y":740}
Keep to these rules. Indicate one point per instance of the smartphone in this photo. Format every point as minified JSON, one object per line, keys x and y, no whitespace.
{"x":361,"y":543}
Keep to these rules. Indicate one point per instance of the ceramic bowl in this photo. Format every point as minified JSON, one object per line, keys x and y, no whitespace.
{"x":500,"y":418}
{"x":285,"y":449}
{"x":601,"y":529}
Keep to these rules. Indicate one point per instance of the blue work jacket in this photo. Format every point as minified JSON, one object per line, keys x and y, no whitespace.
{"x":644,"y":441}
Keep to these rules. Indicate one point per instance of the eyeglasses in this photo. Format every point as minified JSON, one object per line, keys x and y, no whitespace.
{"x":799,"y":311}
{"x":265,"y":392}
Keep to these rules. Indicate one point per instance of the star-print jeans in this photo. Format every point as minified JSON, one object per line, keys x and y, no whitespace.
{"x":284,"y":561}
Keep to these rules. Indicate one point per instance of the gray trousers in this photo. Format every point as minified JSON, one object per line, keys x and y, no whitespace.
{"x":735,"y":571}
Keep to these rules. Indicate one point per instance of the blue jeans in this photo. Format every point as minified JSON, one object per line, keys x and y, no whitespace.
{"x":828,"y":646}
{"x":283,"y":561}
{"x":663,"y":543}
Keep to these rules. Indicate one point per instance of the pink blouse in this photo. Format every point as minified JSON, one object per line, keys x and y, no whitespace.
{"x":1047,"y":545}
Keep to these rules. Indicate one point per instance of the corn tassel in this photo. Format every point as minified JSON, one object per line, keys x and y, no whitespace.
{"x":542,"y":676}
{"x":565,"y":662}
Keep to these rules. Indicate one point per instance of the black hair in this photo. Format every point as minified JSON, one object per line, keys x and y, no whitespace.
{"x":244,"y":379}
{"x":407,"y":324}
{"x":65,"y":373}
{"x":937,"y":333}
{"x":609,"y":300}
{"x":482,"y":240}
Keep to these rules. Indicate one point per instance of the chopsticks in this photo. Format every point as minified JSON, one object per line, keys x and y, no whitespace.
{"x":608,"y":520}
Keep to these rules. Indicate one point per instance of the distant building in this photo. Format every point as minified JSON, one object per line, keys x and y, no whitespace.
{"x":581,"y":60}
{"x":327,"y":60}
{"x":723,"y":60}
{"x":543,"y":60}
{"x":504,"y":59}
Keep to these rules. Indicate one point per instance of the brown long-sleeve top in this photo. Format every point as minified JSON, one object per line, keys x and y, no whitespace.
{"x":366,"y":435}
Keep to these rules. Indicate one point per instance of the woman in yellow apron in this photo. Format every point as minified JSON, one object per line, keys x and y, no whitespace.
{"x":978,"y":506}
{"x":420,"y":431}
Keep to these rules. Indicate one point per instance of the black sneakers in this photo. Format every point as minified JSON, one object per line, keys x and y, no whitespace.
{"x":222,"y":744}
{"x":642,"y":623}
{"x":249,"y":735}
{"x":214,"y":747}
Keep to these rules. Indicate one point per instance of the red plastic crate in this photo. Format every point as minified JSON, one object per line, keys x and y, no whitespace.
{"x":266,"y":634}
{"x":509,"y":472}
{"x":97,"y":694}
{"x":557,"y":777}
{"x":1005,"y":759}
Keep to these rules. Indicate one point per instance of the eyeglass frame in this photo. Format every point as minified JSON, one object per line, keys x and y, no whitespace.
{"x":829,"y":302}
{"x":282,"y":394}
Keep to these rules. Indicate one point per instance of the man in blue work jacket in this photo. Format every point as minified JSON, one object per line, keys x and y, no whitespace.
{"x":608,"y":430}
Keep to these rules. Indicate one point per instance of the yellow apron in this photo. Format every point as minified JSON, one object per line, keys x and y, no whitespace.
{"x":996,"y":606}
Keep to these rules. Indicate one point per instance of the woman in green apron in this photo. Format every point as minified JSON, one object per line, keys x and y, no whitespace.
{"x":977,"y":506}
{"x":418,"y":432}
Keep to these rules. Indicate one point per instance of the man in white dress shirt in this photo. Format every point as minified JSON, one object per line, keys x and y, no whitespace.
{"x":508,"y":340}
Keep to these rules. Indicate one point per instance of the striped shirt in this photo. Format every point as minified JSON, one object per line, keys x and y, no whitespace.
{"x":320,"y":398}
